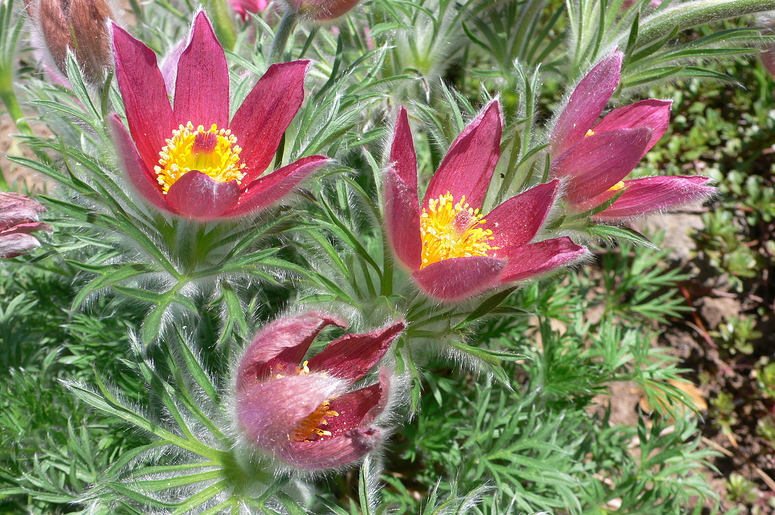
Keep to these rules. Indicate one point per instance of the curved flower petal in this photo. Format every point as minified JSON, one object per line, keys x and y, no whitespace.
{"x":271,"y":188}
{"x":267,"y":111}
{"x":148,"y":110}
{"x":598,"y":162}
{"x":12,"y":245}
{"x":586,"y":103}
{"x":517,"y":220}
{"x":196,"y":195}
{"x":541,"y":257}
{"x":650,"y":194}
{"x":202,"y":85}
{"x":280,"y":346}
{"x":458,"y":278}
{"x":651,"y":113}
{"x":333,"y":452}
{"x":352,"y":355}
{"x":468,"y":166}
{"x":402,"y":219}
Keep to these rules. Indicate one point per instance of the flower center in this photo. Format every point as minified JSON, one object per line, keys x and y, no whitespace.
{"x":214,"y":152}
{"x":309,"y":427}
{"x":450,"y":230}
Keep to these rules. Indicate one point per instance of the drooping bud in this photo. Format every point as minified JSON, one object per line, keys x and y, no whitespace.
{"x":321,"y":10}
{"x":81,"y":26}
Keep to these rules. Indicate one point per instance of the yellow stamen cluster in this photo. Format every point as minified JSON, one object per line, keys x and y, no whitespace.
{"x":590,"y":132}
{"x":310,"y":425}
{"x":616,"y":187}
{"x":450,"y":230}
{"x":214,"y":152}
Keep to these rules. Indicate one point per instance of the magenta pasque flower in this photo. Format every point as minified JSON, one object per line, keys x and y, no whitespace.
{"x":593,"y":158}
{"x":305,"y":412}
{"x":192,"y":160}
{"x":452,"y":250}
{"x":18,"y":218}
{"x":243,"y":7}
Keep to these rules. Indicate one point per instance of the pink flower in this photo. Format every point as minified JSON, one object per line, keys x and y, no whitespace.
{"x":243,"y":7}
{"x":321,"y":10}
{"x":18,"y":218}
{"x":594,"y":158}
{"x":190,"y":159}
{"x":452,"y":250}
{"x":305,"y":412}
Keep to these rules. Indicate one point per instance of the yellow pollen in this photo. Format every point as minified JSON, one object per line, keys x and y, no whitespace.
{"x":310,"y":425}
{"x":450,"y":230}
{"x":616,"y":187}
{"x":214,"y":152}
{"x":590,"y":132}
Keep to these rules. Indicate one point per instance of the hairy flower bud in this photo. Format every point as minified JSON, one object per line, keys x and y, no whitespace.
{"x":321,"y":10}
{"x":18,"y":218}
{"x":81,"y":26}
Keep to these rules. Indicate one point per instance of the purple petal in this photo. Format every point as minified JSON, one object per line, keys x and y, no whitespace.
{"x":141,"y":178}
{"x":402,"y":219}
{"x":517,"y":220}
{"x":333,"y":452}
{"x":197,"y":196}
{"x":651,"y":113}
{"x":280,"y":346}
{"x":202,"y":85}
{"x":148,"y":110}
{"x":541,"y":257}
{"x":598,"y":162}
{"x":470,"y":161}
{"x":25,"y":228}
{"x":651,"y":194}
{"x":402,"y":155}
{"x":358,"y":408}
{"x":261,"y":120}
{"x":586,"y":103}
{"x":274,"y":187}
{"x":352,"y":355}
{"x":459,"y":278}
{"x":12,"y":245}
{"x":16,"y":208}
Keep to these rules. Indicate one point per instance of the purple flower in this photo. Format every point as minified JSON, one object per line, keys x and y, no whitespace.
{"x":243,"y":7}
{"x":305,"y":412}
{"x":18,"y":218}
{"x":191,"y":159}
{"x":593,"y":159}
{"x":452,"y":250}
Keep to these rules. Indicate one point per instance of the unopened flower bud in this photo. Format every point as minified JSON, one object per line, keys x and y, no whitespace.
{"x":81,"y":26}
{"x":18,"y":218}
{"x":321,"y":10}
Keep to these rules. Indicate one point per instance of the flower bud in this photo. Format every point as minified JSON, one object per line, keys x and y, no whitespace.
{"x":321,"y":10}
{"x":245,"y":7}
{"x":18,"y":218}
{"x":81,"y":26}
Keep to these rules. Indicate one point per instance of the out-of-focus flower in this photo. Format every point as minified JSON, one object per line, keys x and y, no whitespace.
{"x":452,"y":250}
{"x":321,"y":10}
{"x":767,"y":20}
{"x":18,"y":218}
{"x":593,"y":159}
{"x":305,"y":412}
{"x":81,"y":26}
{"x":190,"y":159}
{"x":245,"y":7}
{"x":629,"y":3}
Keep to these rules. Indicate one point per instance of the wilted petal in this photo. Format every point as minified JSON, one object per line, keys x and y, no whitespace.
{"x":517,"y":220}
{"x":650,"y":194}
{"x":651,"y":113}
{"x":586,"y":103}
{"x":468,"y":166}
{"x":458,"y":278}
{"x":402,"y":218}
{"x":197,"y":196}
{"x":202,"y":85}
{"x":539,"y":258}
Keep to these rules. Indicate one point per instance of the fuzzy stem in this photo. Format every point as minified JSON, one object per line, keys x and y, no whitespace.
{"x":282,"y":35}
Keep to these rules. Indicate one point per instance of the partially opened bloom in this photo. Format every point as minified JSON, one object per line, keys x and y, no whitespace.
{"x":305,"y":412}
{"x":245,"y":7}
{"x":18,"y":218}
{"x":593,"y":157}
{"x":452,"y":250}
{"x":190,"y":159}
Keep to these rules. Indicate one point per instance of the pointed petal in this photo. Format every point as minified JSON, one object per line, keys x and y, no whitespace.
{"x":261,"y":120}
{"x":650,"y":194}
{"x":459,"y":278}
{"x":333,"y":452}
{"x":541,"y":257}
{"x":197,"y":196}
{"x":141,"y":178}
{"x":651,"y":113}
{"x":148,"y":110}
{"x":280,"y":346}
{"x":352,"y":355}
{"x":12,"y":245}
{"x":598,"y":162}
{"x":361,"y":407}
{"x":402,"y":219}
{"x":586,"y":103}
{"x":470,"y":161}
{"x":402,"y":154}
{"x":517,"y":220}
{"x":272,"y":188}
{"x":202,"y":85}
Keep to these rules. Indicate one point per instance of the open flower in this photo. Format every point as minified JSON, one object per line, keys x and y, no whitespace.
{"x":452,"y":250}
{"x":18,"y":218}
{"x":190,"y":159}
{"x":305,"y":412}
{"x":594,"y":158}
